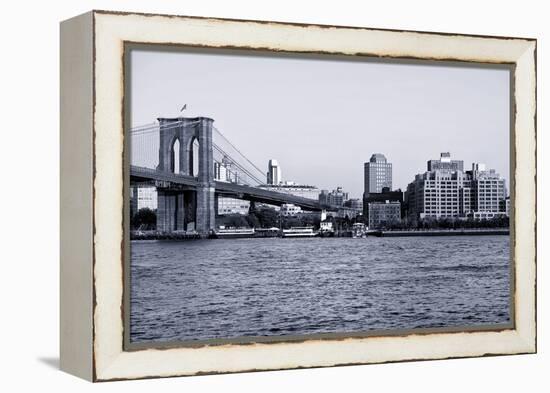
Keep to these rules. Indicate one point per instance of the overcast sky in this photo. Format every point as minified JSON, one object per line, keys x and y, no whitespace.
{"x":322,"y":118}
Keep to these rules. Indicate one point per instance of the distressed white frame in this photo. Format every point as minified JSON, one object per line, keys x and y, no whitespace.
{"x":110,"y":31}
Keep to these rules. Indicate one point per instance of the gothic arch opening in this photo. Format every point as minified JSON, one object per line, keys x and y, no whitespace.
{"x":175,"y":162}
{"x":194,"y":157}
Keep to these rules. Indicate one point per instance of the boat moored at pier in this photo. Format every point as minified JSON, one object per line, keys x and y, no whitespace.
{"x":233,"y":233}
{"x":299,"y":232}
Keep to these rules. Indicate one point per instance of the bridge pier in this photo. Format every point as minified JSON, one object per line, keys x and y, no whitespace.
{"x":170,"y":211}
{"x":206,"y":209}
{"x":187,"y":210}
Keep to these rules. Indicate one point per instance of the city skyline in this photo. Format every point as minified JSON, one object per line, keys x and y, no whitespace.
{"x":430,"y":163}
{"x":323,"y":118}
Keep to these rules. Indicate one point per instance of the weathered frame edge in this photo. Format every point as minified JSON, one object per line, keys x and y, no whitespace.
{"x":76,"y":196}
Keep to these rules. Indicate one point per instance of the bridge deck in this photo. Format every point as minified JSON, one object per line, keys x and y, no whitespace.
{"x":238,"y":191}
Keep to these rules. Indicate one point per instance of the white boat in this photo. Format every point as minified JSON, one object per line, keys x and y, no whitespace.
{"x":234,"y":232}
{"x":358,"y":230}
{"x":299,"y":232}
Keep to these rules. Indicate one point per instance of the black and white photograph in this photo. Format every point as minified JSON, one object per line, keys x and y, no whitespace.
{"x":274,"y":197}
{"x":278,"y":196}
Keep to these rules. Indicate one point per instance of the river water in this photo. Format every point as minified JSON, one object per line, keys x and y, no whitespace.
{"x":229,"y":288}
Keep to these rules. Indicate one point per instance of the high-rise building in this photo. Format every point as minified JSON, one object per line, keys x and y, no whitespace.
{"x":488,"y":192}
{"x":437,"y":194}
{"x":446,"y":191}
{"x":225,"y":171}
{"x":274,"y":173}
{"x":378,"y":174}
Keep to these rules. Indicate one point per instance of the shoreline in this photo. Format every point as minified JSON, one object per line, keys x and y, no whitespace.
{"x":443,"y":232}
{"x":179,"y":236}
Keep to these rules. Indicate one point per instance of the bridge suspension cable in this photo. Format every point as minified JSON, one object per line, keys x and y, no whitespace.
{"x":218,"y":132}
{"x":144,"y":145}
{"x":234,"y":162}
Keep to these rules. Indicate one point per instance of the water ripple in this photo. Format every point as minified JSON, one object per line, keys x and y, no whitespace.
{"x":269,"y":287}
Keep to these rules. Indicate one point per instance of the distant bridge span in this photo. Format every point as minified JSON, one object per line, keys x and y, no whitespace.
{"x":226,"y":189}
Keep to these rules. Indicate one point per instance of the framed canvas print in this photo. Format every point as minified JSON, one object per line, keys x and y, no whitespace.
{"x":246,"y":195}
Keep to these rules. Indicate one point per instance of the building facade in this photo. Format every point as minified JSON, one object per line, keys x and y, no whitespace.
{"x":301,"y":190}
{"x":383,"y":214}
{"x":385,"y":195}
{"x":378,"y":174}
{"x":445,"y":163}
{"x":438,"y":194}
{"x":355,"y":203}
{"x":225,"y":171}
{"x":445,"y":191}
{"x":232,"y":206}
{"x":488,"y":190}
{"x":143,"y":197}
{"x":335,"y":197}
{"x":274,"y":175}
{"x":344,"y":212}
{"x":290,"y":210}
{"x":505,"y":206}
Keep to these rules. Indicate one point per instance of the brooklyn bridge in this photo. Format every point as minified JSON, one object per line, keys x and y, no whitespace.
{"x":179,"y":156}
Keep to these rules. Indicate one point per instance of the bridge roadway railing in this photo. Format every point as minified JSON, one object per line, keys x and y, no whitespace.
{"x":234,"y":190}
{"x":146,"y":174}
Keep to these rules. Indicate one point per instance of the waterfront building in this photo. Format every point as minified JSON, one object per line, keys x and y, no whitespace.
{"x":335,"y":197}
{"x":437,"y":194}
{"x":290,"y":210}
{"x":382,"y":214}
{"x":232,"y":206}
{"x":385,"y":195}
{"x":488,"y":189}
{"x":446,"y":191}
{"x":274,"y":175}
{"x":143,"y":197}
{"x":301,"y":190}
{"x":344,"y":212}
{"x":378,"y":174}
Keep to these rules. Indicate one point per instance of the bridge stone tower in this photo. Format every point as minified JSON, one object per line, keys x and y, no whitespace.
{"x":187,"y":208}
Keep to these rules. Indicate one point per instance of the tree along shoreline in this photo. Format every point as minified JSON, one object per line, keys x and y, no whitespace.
{"x":265,"y":217}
